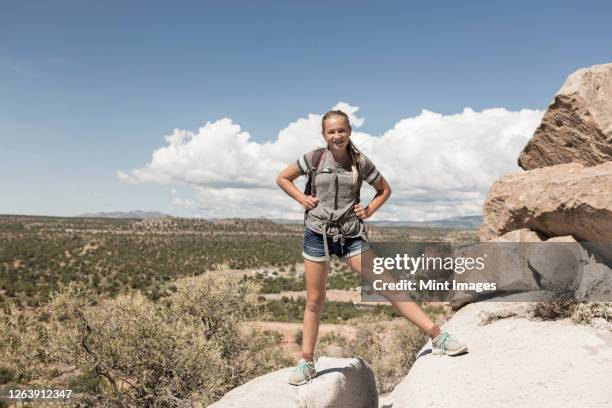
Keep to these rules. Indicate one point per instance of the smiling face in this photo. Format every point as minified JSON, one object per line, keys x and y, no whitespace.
{"x":336,"y":132}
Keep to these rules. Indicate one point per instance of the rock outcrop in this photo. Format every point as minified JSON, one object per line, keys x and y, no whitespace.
{"x":505,"y":265}
{"x":512,"y":362}
{"x":520,"y":262}
{"x":596,"y":283}
{"x":519,"y":235}
{"x":341,"y":383}
{"x":567,"y":199}
{"x":552,"y":225}
{"x":577,"y":126}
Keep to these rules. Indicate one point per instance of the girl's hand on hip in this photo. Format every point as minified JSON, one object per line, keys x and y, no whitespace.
{"x":362,"y":213}
{"x":309,"y":202}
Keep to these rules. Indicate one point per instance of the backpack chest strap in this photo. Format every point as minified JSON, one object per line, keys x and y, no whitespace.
{"x":330,"y":170}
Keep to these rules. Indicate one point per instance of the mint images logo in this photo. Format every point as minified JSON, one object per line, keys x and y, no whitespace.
{"x":433,"y":285}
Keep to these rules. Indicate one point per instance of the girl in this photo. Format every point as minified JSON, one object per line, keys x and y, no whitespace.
{"x":334,"y":224}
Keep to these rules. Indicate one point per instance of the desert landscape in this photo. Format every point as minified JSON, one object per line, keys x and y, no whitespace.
{"x":152,"y":260}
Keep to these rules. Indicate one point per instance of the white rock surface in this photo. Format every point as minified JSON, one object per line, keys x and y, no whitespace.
{"x":341,"y":383}
{"x":512,"y":362}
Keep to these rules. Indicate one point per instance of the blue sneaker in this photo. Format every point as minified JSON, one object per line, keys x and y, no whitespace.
{"x":447,"y":344}
{"x":303,"y":373}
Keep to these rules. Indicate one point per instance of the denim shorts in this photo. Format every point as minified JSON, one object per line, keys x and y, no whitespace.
{"x":314,"y":250}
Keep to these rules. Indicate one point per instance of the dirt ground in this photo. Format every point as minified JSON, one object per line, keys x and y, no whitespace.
{"x":333,"y":295}
{"x":289,"y":330}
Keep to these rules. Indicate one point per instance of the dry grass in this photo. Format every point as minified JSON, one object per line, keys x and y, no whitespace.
{"x":389,"y":349}
{"x":578,"y":312}
{"x":192,"y":346}
{"x":490,"y":317}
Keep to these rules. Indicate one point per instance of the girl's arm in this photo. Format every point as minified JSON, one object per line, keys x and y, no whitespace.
{"x":285,"y":182}
{"x":383,"y":191}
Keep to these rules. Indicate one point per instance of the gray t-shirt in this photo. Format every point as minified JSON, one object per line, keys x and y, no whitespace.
{"x":336,"y":189}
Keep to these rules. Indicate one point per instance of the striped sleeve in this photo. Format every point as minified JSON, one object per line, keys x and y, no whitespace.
{"x":371,"y":175}
{"x":302,"y":164}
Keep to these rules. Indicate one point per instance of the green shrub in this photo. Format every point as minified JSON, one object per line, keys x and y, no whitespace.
{"x":6,"y":375}
{"x":190,"y":346}
{"x":88,"y":382}
{"x":23,"y":341}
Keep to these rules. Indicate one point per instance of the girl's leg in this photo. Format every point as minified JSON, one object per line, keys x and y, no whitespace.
{"x":316,"y":280}
{"x":363,"y":263}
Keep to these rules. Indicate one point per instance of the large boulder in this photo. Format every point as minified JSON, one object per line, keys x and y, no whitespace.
{"x":589,"y":280}
{"x":558,"y":264}
{"x":519,"y":235}
{"x":341,"y":383}
{"x":566,"y":199}
{"x":577,"y":126}
{"x":512,"y":362}
{"x":596,"y":283}
{"x":505,"y":264}
{"x":521,"y":262}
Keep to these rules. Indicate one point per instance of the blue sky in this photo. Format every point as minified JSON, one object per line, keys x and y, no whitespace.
{"x":88,"y":88}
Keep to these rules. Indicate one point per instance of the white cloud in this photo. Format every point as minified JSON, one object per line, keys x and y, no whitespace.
{"x":193,"y":204}
{"x":437,"y":165}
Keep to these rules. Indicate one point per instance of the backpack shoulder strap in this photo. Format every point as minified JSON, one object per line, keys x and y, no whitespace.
{"x":317,"y":155}
{"x":359,"y":180}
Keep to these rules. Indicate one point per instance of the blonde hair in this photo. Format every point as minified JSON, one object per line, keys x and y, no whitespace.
{"x":353,"y":152}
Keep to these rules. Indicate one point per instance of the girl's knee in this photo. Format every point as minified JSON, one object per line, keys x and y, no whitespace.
{"x":315,"y":305}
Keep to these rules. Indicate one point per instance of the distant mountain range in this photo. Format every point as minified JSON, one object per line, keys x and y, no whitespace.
{"x":125,"y":214}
